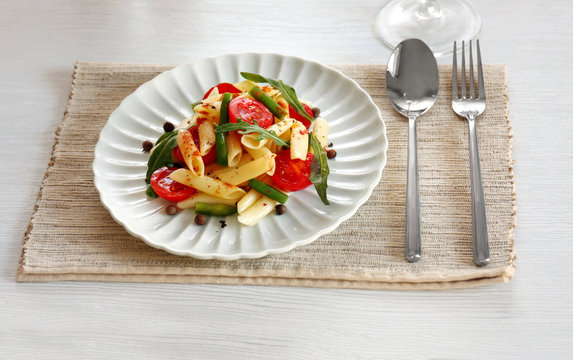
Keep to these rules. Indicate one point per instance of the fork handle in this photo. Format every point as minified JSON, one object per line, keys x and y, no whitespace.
{"x":413,"y":242}
{"x":479,"y":223}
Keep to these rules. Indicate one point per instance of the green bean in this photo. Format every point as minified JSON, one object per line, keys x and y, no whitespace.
{"x":224,"y":112}
{"x":214,"y":209}
{"x":272,"y":105}
{"x":268,"y":190}
{"x":220,"y":138}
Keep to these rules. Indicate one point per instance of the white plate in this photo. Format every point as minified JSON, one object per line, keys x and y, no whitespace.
{"x":357,"y":132}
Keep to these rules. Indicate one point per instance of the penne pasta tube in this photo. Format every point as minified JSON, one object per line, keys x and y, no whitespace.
{"x":244,"y":85}
{"x":213,"y":169}
{"x":204,"y":198}
{"x":264,"y":151}
{"x":190,"y":153}
{"x":249,"y":170}
{"x":257,"y":153}
{"x":234,"y":148}
{"x":320,"y":130}
{"x":298,"y":141}
{"x":249,"y":199}
{"x":206,"y":137}
{"x":245,"y":158}
{"x":187,"y":123}
{"x":208,"y":185}
{"x":257,"y":211}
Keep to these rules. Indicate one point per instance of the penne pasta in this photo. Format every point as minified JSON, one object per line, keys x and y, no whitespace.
{"x":206,"y":137}
{"x":208,"y":185}
{"x":320,"y":130}
{"x":244,"y":85}
{"x":245,"y":158}
{"x":190,"y":153}
{"x":257,"y":211}
{"x":249,"y":170}
{"x":188,"y":122}
{"x":298,"y":141}
{"x":249,"y":199}
{"x":257,"y":153}
{"x":264,"y":151}
{"x":234,"y":148}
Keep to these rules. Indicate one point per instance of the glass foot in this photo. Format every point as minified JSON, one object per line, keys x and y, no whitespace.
{"x":436,"y":22}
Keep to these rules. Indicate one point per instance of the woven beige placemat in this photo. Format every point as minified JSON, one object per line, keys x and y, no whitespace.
{"x":72,"y":237}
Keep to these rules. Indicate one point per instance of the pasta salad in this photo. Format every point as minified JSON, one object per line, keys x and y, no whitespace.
{"x":246,"y":147}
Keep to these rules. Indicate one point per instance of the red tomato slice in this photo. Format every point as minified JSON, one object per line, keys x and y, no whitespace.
{"x":168,"y":188}
{"x":223,"y":88}
{"x":250,"y":110}
{"x":295,"y":115}
{"x":208,"y":158}
{"x":291,"y":174}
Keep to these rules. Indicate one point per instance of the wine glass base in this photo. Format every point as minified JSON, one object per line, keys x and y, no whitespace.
{"x":438,"y":26}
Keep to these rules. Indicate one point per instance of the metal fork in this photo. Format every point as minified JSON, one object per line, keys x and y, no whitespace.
{"x":471,"y":107}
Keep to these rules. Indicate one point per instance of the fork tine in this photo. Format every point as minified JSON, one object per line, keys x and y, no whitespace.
{"x":481,"y":87}
{"x":472,"y":83}
{"x":464,"y":93}
{"x":455,"y":76}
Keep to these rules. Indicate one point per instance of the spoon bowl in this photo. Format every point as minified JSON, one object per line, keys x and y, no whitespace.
{"x":412,"y":82}
{"x":412,"y":78}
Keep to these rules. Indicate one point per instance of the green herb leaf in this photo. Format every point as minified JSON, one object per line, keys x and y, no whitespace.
{"x":253,"y":77}
{"x":164,"y":136}
{"x":245,"y":128}
{"x":161,"y":156}
{"x":287,"y":91}
{"x":150,"y":192}
{"x":319,"y":169}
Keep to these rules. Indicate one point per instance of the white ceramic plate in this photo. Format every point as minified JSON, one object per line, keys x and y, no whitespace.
{"x":357,"y":132}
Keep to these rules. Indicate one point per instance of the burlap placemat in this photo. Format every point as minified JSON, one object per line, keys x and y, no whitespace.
{"x":72,"y":237}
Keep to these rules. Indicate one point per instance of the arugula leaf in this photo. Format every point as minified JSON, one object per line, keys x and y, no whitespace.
{"x":161,"y":156}
{"x":319,"y":169}
{"x":245,"y":128}
{"x":165,"y":135}
{"x":287,"y":91}
{"x":150,"y":192}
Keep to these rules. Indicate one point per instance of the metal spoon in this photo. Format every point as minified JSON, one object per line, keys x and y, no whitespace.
{"x":412,"y":81}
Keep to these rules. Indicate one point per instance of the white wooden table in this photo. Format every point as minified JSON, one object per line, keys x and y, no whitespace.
{"x":530,"y":317}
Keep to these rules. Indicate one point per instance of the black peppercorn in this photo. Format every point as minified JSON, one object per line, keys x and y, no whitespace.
{"x":171,"y":210}
{"x":331,"y":153}
{"x":168,"y":127}
{"x":280,"y":209}
{"x":315,"y":112}
{"x":147,"y":146}
{"x":200,"y":219}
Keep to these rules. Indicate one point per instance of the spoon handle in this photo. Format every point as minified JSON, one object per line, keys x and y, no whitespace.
{"x":479,"y":223}
{"x":413,"y":242}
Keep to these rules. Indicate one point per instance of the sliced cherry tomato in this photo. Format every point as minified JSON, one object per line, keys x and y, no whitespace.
{"x":168,"y":188}
{"x":291,"y":174}
{"x":250,"y":110}
{"x":223,"y":88}
{"x":208,"y":158}
{"x":295,"y":115}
